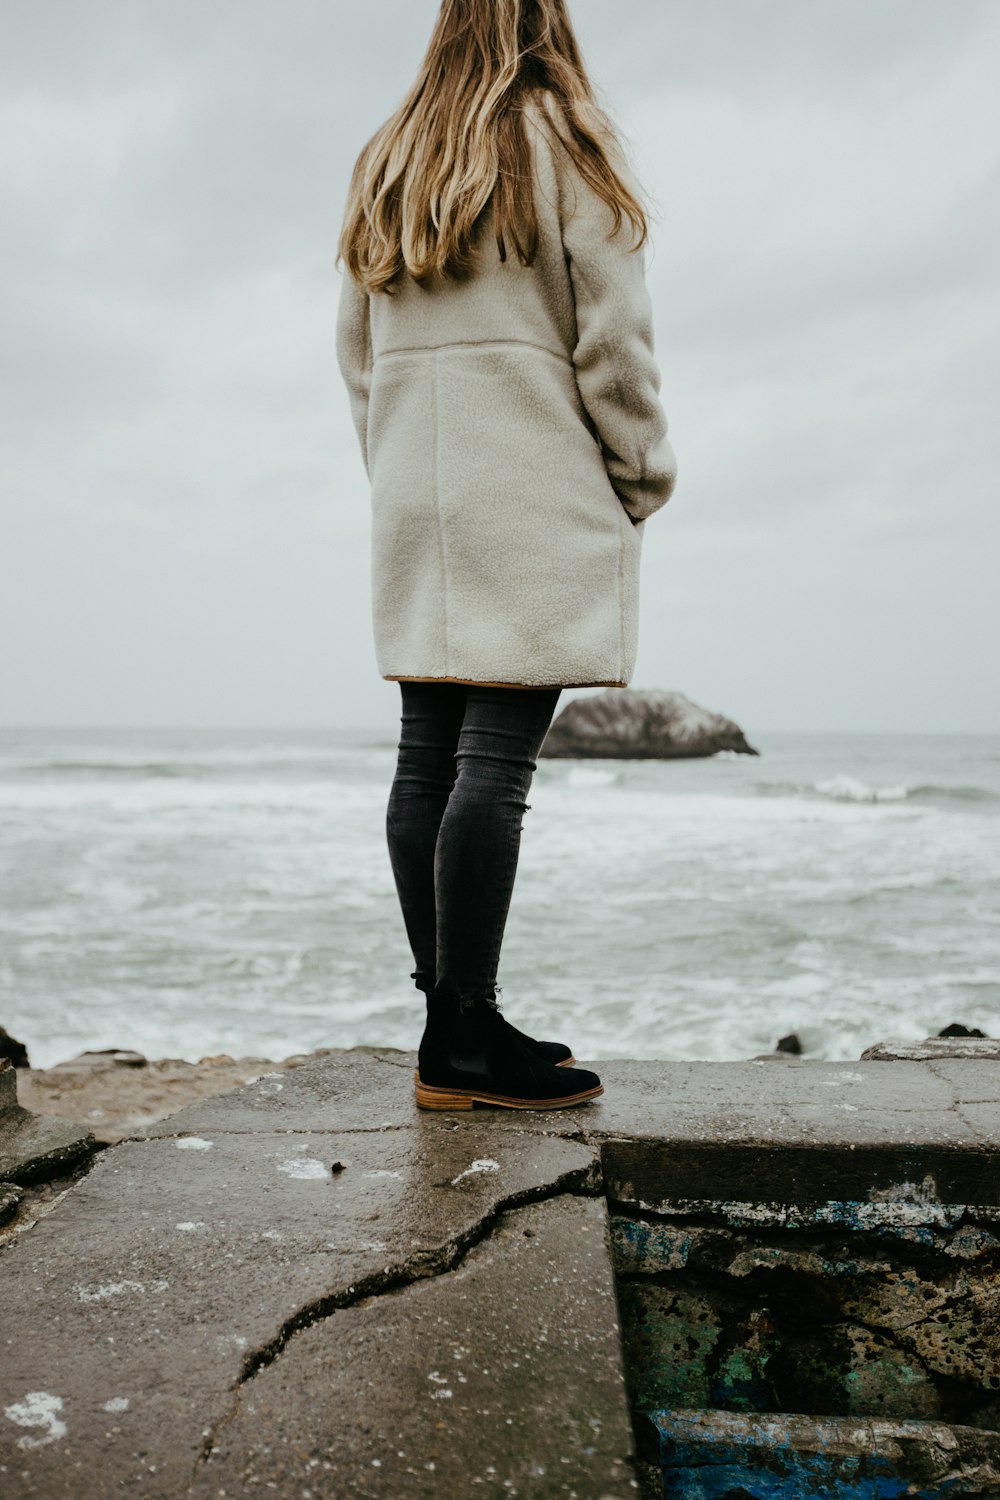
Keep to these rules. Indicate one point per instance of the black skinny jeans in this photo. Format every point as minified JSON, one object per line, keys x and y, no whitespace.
{"x":453,"y":822}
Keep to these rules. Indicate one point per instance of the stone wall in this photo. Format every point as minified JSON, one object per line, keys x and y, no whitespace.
{"x":847,"y":1349}
{"x":901,"y":1322}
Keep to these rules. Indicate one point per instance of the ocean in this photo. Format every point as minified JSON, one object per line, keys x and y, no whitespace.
{"x":188,"y":893}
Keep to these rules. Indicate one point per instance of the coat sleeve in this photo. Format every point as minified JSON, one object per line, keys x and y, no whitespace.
{"x":616,"y":369}
{"x":354,"y":354}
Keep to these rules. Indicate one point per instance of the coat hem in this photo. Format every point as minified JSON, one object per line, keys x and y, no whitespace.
{"x":481,"y":682}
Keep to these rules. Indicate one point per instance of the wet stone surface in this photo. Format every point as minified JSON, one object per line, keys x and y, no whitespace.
{"x":495,"y":1348}
{"x":261,"y":1285}
{"x":181,"y":1265}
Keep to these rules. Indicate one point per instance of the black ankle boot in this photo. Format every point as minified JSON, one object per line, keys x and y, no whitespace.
{"x":556,"y":1053}
{"x":468,"y":1054}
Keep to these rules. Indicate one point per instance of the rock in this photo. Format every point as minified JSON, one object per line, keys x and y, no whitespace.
{"x":786,"y":1453}
{"x":104,"y":1057}
{"x":957,"y":1029}
{"x":985,"y":1048}
{"x":785,"y":1046}
{"x":633,"y":724}
{"x":14,"y":1051}
{"x":8,"y":1086}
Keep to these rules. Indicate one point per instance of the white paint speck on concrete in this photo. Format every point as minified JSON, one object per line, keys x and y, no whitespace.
{"x":481,"y":1164}
{"x":230,"y":1341}
{"x":382,"y":1172}
{"x":116,"y":1404}
{"x":38,"y":1409}
{"x":193,"y":1143}
{"x":304,"y":1168}
{"x":190,"y":1225}
{"x":117,"y":1289}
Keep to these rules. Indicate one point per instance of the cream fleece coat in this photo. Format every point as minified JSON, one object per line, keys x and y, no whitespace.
{"x":513,"y":435}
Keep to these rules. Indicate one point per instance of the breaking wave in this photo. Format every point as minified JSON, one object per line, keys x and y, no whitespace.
{"x":844,"y":788}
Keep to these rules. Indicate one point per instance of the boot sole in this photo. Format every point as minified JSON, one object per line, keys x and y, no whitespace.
{"x":430,"y":1096}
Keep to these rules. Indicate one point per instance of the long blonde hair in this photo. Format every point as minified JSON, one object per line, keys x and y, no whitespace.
{"x":458,"y":143}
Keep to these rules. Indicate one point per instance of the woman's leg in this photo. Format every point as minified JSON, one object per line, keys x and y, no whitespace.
{"x":479,"y":838}
{"x":431,"y":719}
{"x":469,"y":1053}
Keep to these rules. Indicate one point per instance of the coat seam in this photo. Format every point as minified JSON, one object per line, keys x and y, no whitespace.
{"x":442,"y":548}
{"x":435,"y":349}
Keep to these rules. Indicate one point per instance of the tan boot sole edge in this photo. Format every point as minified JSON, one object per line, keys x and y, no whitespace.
{"x":431,"y":1097}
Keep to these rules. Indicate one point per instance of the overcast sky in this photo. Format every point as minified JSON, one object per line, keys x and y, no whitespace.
{"x":185,"y":523}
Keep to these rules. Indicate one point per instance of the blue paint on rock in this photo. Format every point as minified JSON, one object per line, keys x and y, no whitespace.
{"x":753,"y":1482}
{"x":715,"y":1455}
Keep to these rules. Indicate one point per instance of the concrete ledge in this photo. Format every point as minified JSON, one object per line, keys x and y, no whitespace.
{"x":865,"y":1186}
{"x":34,"y":1148}
{"x":271,"y":1285}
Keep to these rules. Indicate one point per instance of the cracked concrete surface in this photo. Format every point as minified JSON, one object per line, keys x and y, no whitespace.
{"x":183,"y":1265}
{"x":275,"y":1272}
{"x":455,"y":1385}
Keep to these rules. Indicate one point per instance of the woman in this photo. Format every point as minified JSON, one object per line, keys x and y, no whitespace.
{"x":495,"y":338}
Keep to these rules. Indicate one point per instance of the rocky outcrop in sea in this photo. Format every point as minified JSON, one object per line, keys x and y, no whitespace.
{"x":641,"y":724}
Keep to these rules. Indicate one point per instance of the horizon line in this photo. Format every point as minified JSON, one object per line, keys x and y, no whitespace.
{"x":202,"y":728}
